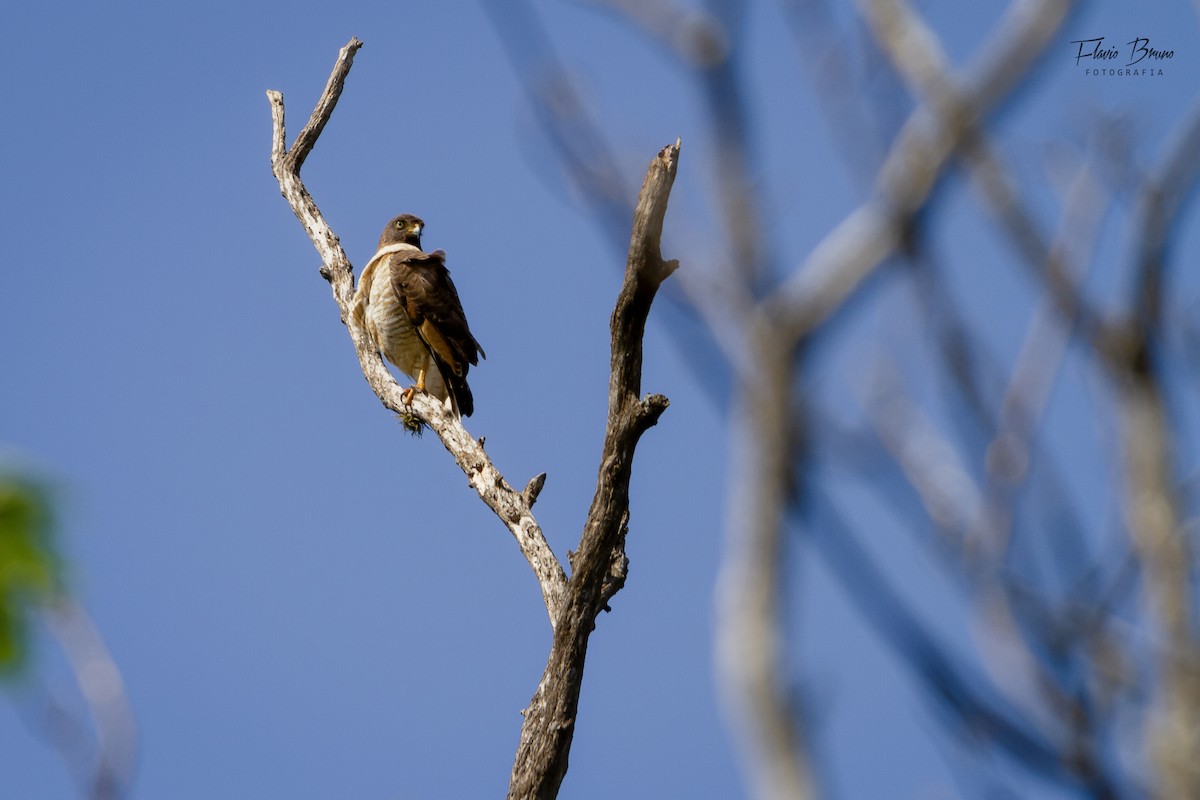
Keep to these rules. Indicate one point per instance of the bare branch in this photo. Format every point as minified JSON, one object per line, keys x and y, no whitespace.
{"x":600,"y":563}
{"x":771,"y":454}
{"x":111,"y":771}
{"x":750,"y":636}
{"x":561,"y":112}
{"x":324,"y":108}
{"x":534,"y":488}
{"x":917,"y":55}
{"x":694,"y":36}
{"x":1159,"y":204}
{"x":591,"y":168}
{"x":512,"y":507}
{"x":1151,"y":505}
{"x":973,"y":706}
{"x":852,"y":251}
{"x":932,"y":466}
{"x":1061,"y":711}
{"x":828,"y":60}
{"x":747,"y":257}
{"x":1153,"y":519}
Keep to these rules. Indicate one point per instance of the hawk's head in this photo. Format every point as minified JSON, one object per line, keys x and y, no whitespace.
{"x":404,"y":228}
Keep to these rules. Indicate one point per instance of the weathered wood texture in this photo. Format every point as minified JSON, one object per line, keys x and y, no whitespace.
{"x":600,"y":563}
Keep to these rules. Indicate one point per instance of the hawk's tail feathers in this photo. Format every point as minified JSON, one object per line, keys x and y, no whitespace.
{"x":461,"y":400}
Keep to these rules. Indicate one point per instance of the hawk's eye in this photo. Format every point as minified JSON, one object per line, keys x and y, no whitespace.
{"x":399,"y":224}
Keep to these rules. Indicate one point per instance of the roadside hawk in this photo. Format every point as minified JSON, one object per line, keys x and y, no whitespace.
{"x":409,"y":307}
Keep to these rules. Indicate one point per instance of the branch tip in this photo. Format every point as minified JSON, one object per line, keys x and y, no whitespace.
{"x":656,"y":401}
{"x":670,"y":154}
{"x":534,"y":488}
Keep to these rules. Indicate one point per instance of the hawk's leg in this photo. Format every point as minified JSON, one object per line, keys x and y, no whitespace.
{"x":407,"y":395}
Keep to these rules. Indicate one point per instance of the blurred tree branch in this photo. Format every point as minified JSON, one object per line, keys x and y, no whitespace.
{"x":1061,"y":670}
{"x":98,"y":744}
{"x":599,"y":566}
{"x":107,"y":772}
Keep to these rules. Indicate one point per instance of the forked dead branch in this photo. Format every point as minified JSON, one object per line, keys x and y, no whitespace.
{"x":599,"y":563}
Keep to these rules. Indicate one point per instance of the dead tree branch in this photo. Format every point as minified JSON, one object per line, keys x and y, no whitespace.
{"x":1049,"y":601}
{"x":1128,"y":350}
{"x":706,"y":296}
{"x":513,"y":507}
{"x":852,"y":251}
{"x":1152,"y":507}
{"x":600,"y":563}
{"x":773,"y":457}
{"x":750,"y":637}
{"x":110,"y":772}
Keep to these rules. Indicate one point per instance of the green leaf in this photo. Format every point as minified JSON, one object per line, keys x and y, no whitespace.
{"x":30,"y":570}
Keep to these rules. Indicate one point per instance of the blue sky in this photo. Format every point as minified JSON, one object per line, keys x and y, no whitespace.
{"x":304,"y":601}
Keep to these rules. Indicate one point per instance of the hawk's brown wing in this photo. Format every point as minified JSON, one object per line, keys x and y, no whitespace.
{"x":422,"y":285}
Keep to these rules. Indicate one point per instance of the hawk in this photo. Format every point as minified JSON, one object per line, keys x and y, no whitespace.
{"x":409,"y":307}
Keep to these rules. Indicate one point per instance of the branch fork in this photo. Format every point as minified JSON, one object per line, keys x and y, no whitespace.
{"x":599,"y":566}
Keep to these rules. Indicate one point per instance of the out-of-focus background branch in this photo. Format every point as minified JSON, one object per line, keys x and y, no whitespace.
{"x":86,"y":717}
{"x":1066,"y":675}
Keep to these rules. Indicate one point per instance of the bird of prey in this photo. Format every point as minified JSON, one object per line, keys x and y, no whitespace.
{"x":409,"y":307}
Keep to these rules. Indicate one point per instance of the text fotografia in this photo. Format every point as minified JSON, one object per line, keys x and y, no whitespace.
{"x":1137,"y":58}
